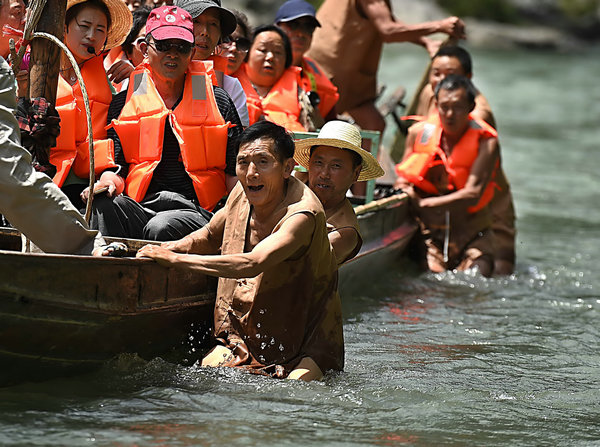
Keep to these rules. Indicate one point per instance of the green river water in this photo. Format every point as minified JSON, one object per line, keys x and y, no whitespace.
{"x":447,"y":359}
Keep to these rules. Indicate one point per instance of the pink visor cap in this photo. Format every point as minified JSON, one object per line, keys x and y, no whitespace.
{"x":170,"y":22}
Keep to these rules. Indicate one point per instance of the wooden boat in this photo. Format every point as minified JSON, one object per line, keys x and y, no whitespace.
{"x":63,"y":314}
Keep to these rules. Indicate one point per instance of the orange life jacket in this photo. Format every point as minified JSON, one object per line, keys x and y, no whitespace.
{"x":427,"y":153}
{"x":196,"y":122}
{"x":219,"y":69}
{"x":313,"y":79}
{"x":72,"y":148}
{"x":281,"y":105}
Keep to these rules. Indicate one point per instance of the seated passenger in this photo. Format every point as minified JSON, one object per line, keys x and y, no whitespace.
{"x":174,"y":135}
{"x":456,"y":60}
{"x":269,"y":80}
{"x":298,"y":19}
{"x":235,"y":47}
{"x":120,"y":61}
{"x":277,"y":310}
{"x":335,"y":160}
{"x":92,"y":26}
{"x":448,"y":170}
{"x":211,"y":24}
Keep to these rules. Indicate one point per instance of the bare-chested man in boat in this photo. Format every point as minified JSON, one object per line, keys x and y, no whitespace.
{"x":335,"y":160}
{"x":447,"y":171}
{"x":277,"y":309}
{"x":456,"y":60}
{"x":348,"y":47}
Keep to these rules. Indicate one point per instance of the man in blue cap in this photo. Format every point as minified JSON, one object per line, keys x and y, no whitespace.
{"x":298,"y":19}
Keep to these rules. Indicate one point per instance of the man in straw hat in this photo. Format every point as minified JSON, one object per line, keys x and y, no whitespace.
{"x":277,"y":310}
{"x":175,"y":139}
{"x":335,"y":160}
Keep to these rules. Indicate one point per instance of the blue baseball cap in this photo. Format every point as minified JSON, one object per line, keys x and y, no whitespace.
{"x":295,"y":9}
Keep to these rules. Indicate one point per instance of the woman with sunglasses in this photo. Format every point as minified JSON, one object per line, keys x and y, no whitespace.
{"x":121,"y":60}
{"x":271,"y":83}
{"x":91,"y":27}
{"x":235,"y":47}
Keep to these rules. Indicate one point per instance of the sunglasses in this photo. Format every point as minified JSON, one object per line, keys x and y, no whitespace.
{"x":300,"y":25}
{"x":164,"y":46}
{"x":241,"y":43}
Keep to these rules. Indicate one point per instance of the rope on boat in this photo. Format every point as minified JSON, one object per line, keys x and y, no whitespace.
{"x":32,"y":20}
{"x":88,"y":114}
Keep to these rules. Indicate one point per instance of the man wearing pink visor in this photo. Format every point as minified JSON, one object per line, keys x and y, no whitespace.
{"x":175,"y":140}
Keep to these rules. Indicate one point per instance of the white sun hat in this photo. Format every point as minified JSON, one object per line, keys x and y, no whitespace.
{"x":342,"y":135}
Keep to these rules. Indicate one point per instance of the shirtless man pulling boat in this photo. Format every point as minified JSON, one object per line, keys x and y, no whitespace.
{"x":277,"y":311}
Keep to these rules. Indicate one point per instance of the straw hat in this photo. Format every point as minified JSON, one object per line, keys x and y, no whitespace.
{"x":344,"y":136}
{"x":120,"y":21}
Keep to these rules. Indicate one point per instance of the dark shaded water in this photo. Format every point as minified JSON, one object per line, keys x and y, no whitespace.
{"x":448,"y":359}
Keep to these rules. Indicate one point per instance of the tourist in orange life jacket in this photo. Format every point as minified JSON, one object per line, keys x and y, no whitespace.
{"x":174,"y":135}
{"x":271,"y":83}
{"x":121,"y":60}
{"x":448,"y":171}
{"x":235,"y":47}
{"x":211,"y":24}
{"x":298,"y":19}
{"x":92,"y":26}
{"x":452,"y":59}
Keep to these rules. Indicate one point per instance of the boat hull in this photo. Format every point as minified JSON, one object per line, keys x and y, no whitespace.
{"x":67,"y":314}
{"x":64,"y":314}
{"x":386,"y":229}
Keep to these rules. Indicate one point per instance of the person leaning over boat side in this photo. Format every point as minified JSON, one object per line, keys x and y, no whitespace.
{"x":271,"y":83}
{"x":175,"y":140}
{"x":211,"y":24}
{"x":348,"y":47}
{"x":452,"y":59}
{"x":335,"y":160}
{"x":448,"y":170}
{"x":29,"y":199}
{"x":91,"y":26}
{"x":277,"y":310}
{"x":298,"y":19}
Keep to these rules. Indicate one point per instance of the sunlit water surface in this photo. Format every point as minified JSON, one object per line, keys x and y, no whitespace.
{"x":451,"y":359}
